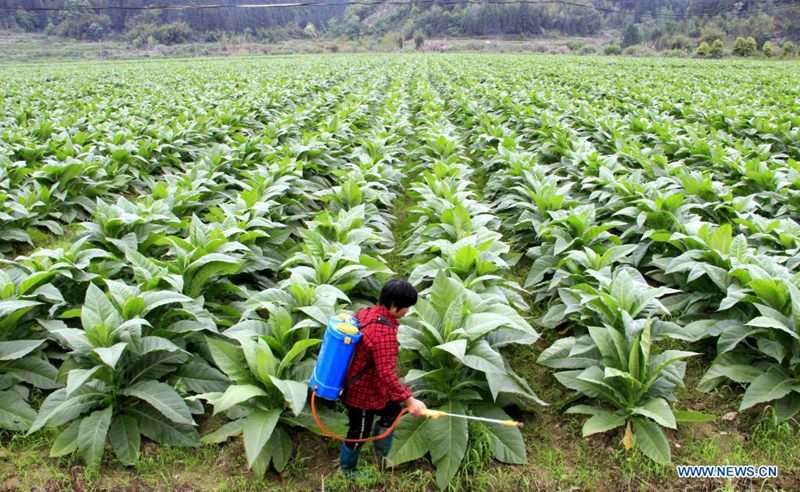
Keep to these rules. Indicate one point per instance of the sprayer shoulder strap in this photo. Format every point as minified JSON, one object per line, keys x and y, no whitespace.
{"x":382,"y":321}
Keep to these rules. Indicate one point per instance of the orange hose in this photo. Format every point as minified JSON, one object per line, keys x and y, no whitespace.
{"x":343,"y":439}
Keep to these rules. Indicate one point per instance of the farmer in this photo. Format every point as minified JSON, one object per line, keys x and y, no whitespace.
{"x":372,"y":387}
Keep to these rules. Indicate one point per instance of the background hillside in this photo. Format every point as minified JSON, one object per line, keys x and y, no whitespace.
{"x":652,"y":25}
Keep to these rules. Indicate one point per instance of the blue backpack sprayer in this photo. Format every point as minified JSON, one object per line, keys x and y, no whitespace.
{"x":338,"y":347}
{"x":327,"y":381}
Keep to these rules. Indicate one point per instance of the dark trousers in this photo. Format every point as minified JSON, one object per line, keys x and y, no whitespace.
{"x":361,"y":421}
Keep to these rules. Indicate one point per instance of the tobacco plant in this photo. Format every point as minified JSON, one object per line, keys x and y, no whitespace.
{"x":454,"y":339}
{"x":269,"y":373}
{"x":618,"y":369}
{"x":119,"y":377}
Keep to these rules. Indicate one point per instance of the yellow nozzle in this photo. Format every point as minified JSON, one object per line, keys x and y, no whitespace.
{"x":511,"y":423}
{"x":433,"y":414}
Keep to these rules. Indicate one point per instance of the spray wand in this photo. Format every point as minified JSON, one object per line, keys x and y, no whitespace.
{"x":431,"y":414}
{"x":435,"y":414}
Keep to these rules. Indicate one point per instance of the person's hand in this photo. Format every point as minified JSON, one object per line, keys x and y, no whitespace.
{"x":415,"y":407}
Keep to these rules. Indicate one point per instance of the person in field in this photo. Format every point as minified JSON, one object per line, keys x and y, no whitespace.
{"x":372,"y":387}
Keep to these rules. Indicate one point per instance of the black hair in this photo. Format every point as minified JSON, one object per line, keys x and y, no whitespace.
{"x":398,"y":293}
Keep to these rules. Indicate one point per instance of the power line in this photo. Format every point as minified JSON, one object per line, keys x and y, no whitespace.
{"x":568,"y":3}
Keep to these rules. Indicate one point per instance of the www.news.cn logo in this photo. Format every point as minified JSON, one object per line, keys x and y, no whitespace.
{"x":727,"y":471}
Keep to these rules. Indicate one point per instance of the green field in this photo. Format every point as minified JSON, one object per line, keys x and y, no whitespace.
{"x":607,"y":250}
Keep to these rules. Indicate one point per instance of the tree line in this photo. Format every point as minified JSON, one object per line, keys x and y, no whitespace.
{"x":78,"y":21}
{"x":660,"y":24}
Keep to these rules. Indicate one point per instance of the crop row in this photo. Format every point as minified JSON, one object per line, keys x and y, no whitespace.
{"x":467,"y":311}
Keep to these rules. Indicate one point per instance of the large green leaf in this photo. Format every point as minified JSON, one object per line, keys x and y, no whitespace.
{"x":769,"y":322}
{"x":788,"y":406}
{"x":125,"y":439}
{"x":152,"y":344}
{"x":447,"y":438}
{"x":224,"y":432}
{"x":163,"y":398}
{"x":738,"y":247}
{"x":207,"y":267}
{"x":794,"y":296}
{"x":92,"y":436}
{"x":298,"y":348}
{"x":111,"y":355}
{"x":259,"y":357}
{"x":453,"y":315}
{"x":465,"y":258}
{"x":657,"y":409}
{"x":18,"y":349}
{"x":67,"y":441}
{"x":34,"y":370}
{"x":15,"y":413}
{"x":71,"y":338}
{"x":294,"y":392}
{"x":154,"y":365}
{"x":733,"y":336}
{"x":229,"y":359}
{"x":153,"y":425}
{"x":154,"y":299}
{"x":144,"y":268}
{"x":59,"y":409}
{"x":259,"y":466}
{"x":661,"y":361}
{"x":235,"y":394}
{"x":257,"y":430}
{"x":602,"y":421}
{"x":740,"y":373}
{"x":202,"y":378}
{"x":479,"y":324}
{"x":500,"y":382}
{"x":651,"y":440}
{"x":410,"y":440}
{"x":9,"y":306}
{"x":98,"y":311}
{"x":605,"y":343}
{"x":335,"y":422}
{"x":560,"y":355}
{"x":456,"y":347}
{"x":771,"y":385}
{"x":78,"y":377}
{"x":509,"y":446}
{"x":596,"y":378}
{"x":280,"y":444}
{"x":727,"y":365}
{"x":482,"y":357}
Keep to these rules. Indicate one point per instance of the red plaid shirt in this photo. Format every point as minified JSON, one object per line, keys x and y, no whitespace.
{"x":377,"y":352}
